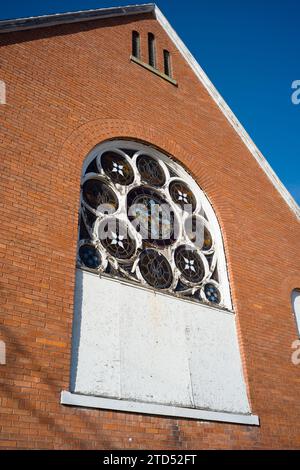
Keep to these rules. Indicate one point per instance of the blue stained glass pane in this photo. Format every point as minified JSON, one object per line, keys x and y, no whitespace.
{"x":212,"y":294}
{"x":90,"y":256}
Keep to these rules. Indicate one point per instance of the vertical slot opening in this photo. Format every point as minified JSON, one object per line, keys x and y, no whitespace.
{"x":136,"y":45}
{"x":152,"y":50}
{"x":167,"y":63}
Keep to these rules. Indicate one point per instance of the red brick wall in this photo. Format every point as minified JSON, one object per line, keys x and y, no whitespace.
{"x":69,"y":88}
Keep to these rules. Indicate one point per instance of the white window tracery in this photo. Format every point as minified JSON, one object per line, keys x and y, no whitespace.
{"x":145,"y":220}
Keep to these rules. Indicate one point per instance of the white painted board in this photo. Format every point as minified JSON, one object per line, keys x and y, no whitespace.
{"x":130,"y":343}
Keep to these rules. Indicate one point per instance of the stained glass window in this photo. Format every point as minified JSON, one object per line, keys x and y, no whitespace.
{"x":155,"y":269}
{"x":144,"y":220}
{"x":98,"y":194}
{"x":211,"y":293}
{"x":151,"y":171}
{"x":181,"y":194}
{"x":190,"y":264}
{"x":89,"y":256}
{"x":117,"y":168}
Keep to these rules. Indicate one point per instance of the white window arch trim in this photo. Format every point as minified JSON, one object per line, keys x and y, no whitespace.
{"x":148,"y":149}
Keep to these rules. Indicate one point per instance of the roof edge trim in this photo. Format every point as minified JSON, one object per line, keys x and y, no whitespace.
{"x":21,"y":24}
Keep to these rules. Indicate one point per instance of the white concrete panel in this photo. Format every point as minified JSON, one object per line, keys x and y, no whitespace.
{"x":154,"y":362}
{"x":133,"y":344}
{"x":215,"y":364}
{"x":96,"y":339}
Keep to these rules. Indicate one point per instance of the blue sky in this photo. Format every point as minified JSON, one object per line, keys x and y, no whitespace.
{"x":250,"y":50}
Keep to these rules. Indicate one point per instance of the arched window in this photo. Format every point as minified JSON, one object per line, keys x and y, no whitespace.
{"x":167,"y":63}
{"x":144,"y":219}
{"x":136,"y":45}
{"x":153,"y":324}
{"x":152,"y":50}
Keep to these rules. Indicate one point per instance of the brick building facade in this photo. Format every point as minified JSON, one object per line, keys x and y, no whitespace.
{"x":72,"y":84}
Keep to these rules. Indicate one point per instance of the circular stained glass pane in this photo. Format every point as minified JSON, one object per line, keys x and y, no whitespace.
{"x":100,"y":196}
{"x":90,"y":256}
{"x":189,"y":264}
{"x":198,"y":233}
{"x":117,"y":168}
{"x":151,"y":215}
{"x":155,"y":269}
{"x":212,"y":293}
{"x":151,"y":171}
{"x":182,"y":195}
{"x":116,"y":239}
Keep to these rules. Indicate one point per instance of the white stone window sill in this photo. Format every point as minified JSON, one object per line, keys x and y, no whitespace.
{"x":87,"y":401}
{"x":153,"y":70}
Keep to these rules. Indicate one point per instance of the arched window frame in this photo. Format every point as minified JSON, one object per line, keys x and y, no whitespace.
{"x":201,"y":197}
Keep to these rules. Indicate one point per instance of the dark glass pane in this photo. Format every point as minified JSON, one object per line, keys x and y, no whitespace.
{"x":173,"y":174}
{"x":155,"y":269}
{"x":83,"y":232}
{"x":111,"y":270}
{"x":182,"y":195}
{"x":198,"y":233}
{"x":89,"y":217}
{"x":167,"y":63}
{"x":210,"y":260}
{"x":207,"y":243}
{"x":129,"y":152}
{"x":181,"y":287}
{"x":117,"y":168}
{"x":212,"y":294}
{"x":151,"y":50}
{"x":215,"y":275}
{"x":189,"y":264}
{"x":151,"y":171}
{"x":117,"y":240}
{"x":90,"y":256}
{"x":99,"y":195}
{"x":92,"y":168}
{"x":136,"y":52}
